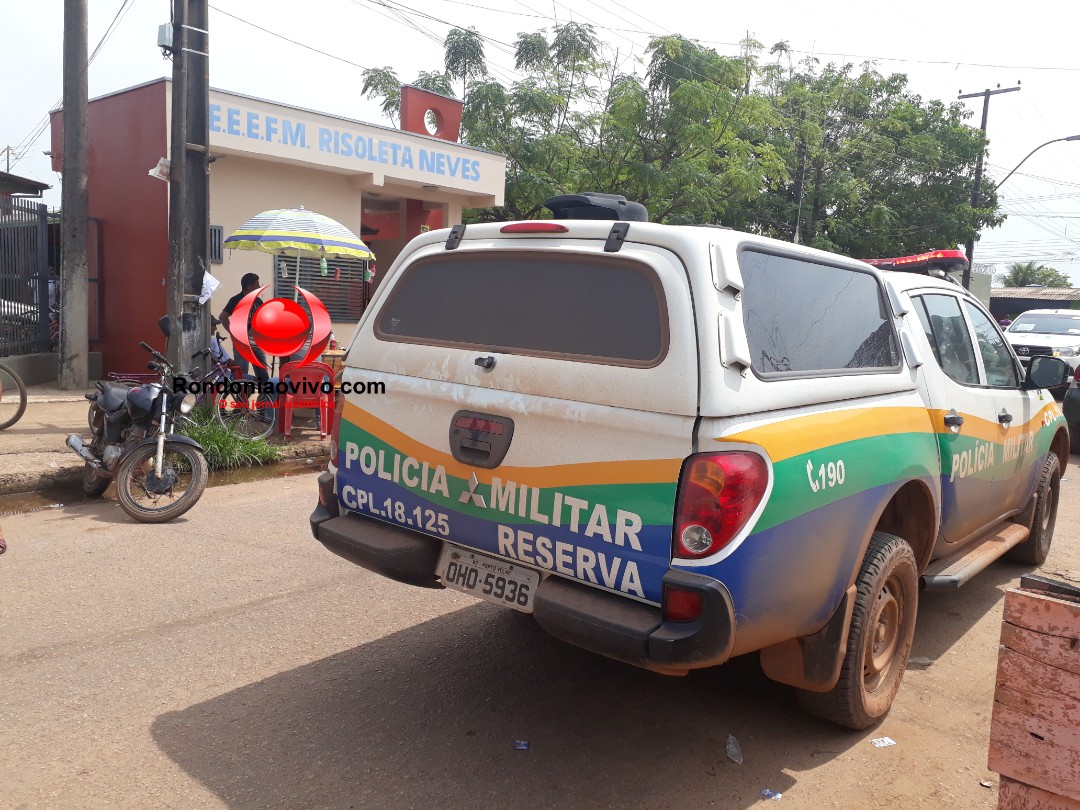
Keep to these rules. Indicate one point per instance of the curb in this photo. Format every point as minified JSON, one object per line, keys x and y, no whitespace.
{"x":70,"y":474}
{"x":25,"y":483}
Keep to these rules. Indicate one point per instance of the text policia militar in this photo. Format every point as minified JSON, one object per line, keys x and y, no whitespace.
{"x":250,"y":387}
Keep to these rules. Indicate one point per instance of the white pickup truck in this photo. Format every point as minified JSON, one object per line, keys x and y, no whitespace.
{"x":673,"y":445}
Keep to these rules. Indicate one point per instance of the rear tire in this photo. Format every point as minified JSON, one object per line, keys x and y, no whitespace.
{"x":879,"y":641}
{"x":94,"y":483}
{"x":1035,"y":549}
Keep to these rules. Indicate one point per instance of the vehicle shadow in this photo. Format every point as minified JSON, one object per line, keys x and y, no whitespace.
{"x":429,"y":716}
{"x":945,"y":616}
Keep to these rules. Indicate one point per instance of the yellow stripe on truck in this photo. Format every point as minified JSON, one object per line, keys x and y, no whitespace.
{"x":564,"y":475}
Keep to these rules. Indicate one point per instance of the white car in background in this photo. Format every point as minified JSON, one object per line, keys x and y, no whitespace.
{"x":1051,"y":332}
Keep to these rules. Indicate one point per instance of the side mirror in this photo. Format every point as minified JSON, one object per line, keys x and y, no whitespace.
{"x":166,"y":325}
{"x":1046,"y":372}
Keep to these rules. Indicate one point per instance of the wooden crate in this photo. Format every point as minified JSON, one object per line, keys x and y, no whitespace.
{"x":333,"y":358}
{"x":1018,"y":796}
{"x":1035,"y":728}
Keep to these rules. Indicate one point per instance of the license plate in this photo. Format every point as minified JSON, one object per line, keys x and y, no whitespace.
{"x":489,"y":578}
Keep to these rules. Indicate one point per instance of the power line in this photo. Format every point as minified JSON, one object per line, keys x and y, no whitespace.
{"x":1053,"y":180}
{"x":28,"y":142}
{"x":287,"y":39}
{"x":815,"y":52}
{"x":401,"y":11}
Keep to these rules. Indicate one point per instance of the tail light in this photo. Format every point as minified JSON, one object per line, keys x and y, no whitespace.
{"x":534,"y":227}
{"x":718,"y":492}
{"x":681,"y":605}
{"x":1076,"y":374}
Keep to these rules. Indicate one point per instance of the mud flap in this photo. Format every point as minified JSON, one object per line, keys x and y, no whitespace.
{"x":813,"y":662}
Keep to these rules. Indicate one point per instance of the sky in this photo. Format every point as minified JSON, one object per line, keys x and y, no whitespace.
{"x":945,"y":48}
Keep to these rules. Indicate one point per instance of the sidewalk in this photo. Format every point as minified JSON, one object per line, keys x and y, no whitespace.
{"x":33,"y":455}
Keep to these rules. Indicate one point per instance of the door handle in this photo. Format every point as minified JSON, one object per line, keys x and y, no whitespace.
{"x":1004,"y":417}
{"x":953,"y":420}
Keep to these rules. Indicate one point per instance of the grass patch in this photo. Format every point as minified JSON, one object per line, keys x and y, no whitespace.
{"x":224,"y":449}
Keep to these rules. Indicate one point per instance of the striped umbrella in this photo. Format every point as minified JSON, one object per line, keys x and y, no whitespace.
{"x":298,"y":230}
{"x":288,"y":231}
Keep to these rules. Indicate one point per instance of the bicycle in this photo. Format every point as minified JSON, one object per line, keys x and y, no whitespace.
{"x":244,"y":410}
{"x":12,"y":397}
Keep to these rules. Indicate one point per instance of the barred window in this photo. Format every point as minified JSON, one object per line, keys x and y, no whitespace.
{"x":217,"y":244}
{"x":342,"y":290}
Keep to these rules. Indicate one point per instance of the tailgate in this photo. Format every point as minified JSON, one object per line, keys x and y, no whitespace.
{"x":534,"y":409}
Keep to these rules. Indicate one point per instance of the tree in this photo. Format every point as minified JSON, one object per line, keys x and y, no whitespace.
{"x":1028,"y":274}
{"x":464,"y":56}
{"x":434,"y":81}
{"x":839,"y":157}
{"x":383,"y":83}
{"x":874,"y":170}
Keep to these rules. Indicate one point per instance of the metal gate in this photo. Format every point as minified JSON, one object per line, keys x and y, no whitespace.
{"x":26,"y":289}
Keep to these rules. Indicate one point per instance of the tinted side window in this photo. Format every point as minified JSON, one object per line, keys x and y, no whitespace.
{"x":924,"y":319}
{"x":597,"y":309}
{"x":947,"y":331}
{"x":807,"y":317}
{"x":997,"y":361}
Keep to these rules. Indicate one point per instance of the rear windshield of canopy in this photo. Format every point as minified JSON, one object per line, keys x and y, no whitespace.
{"x":594,"y":309}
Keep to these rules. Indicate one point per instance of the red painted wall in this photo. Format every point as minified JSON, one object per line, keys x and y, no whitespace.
{"x":127,"y":135}
{"x":415,"y":104}
{"x":416,"y":216}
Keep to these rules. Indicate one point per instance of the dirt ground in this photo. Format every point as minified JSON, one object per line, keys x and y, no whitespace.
{"x":33,"y":455}
{"x":229,"y":660}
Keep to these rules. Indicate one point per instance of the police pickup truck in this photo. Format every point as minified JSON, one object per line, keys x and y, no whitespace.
{"x":673,"y":445}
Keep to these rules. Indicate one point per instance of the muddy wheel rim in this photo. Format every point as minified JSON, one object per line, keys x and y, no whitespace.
{"x":884,"y":630}
{"x":1048,"y":512}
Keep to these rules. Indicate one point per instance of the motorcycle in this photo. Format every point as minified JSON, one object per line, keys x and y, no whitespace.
{"x":159,"y":474}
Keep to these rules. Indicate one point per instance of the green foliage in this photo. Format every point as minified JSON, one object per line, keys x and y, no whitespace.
{"x":383,"y":83}
{"x":1027,"y":274}
{"x":842,"y":158}
{"x":463,"y":56}
{"x":435,"y":82}
{"x":224,"y":449}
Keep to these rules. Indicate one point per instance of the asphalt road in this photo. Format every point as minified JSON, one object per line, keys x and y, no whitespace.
{"x":227,"y":659}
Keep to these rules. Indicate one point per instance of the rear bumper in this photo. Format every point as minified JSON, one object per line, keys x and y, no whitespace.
{"x":613,"y":626}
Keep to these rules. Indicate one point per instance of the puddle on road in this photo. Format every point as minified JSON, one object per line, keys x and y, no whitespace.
{"x":70,"y":494}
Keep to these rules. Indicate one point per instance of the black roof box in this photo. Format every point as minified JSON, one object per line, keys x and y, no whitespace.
{"x":592,"y":205}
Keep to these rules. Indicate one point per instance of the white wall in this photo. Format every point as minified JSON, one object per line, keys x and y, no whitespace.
{"x":242,"y":187}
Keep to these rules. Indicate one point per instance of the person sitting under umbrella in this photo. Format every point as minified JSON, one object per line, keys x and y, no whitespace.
{"x":248,"y":284}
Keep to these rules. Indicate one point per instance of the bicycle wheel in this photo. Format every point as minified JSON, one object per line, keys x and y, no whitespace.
{"x":12,"y":397}
{"x":250,"y":416}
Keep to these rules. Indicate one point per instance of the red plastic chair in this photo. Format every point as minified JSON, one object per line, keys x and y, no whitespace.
{"x":314,"y":374}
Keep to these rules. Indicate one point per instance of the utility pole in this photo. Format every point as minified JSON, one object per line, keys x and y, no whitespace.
{"x":7,"y":151}
{"x":977,"y":186}
{"x":189,"y":181}
{"x":73,"y":371}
